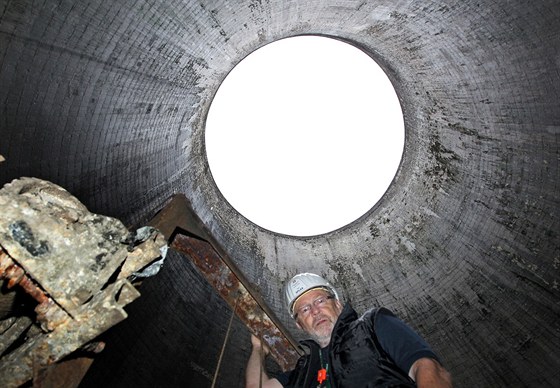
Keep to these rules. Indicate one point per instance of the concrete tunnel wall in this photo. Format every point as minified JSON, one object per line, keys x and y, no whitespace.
{"x":108,"y":99}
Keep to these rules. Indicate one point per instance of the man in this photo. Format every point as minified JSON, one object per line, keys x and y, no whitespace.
{"x":375,"y":350}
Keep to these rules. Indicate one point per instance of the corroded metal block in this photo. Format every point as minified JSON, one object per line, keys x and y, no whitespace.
{"x":57,"y":240}
{"x":78,"y":267}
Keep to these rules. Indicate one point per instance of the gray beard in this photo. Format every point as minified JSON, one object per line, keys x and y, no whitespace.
{"x":323,"y":341}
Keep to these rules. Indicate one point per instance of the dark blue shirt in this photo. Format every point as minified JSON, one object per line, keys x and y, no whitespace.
{"x":397,"y":339}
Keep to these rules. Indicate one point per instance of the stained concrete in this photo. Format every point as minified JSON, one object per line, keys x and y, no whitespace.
{"x":108,"y":100}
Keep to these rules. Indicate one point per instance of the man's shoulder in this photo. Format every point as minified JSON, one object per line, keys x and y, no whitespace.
{"x":369,"y":320}
{"x":374,"y":312}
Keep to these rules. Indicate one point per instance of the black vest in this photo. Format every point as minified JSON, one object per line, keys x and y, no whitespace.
{"x":356,"y":359}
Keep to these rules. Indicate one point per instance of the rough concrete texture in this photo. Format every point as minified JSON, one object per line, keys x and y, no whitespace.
{"x":108,"y":99}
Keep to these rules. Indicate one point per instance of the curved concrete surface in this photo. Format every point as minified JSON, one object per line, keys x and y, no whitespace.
{"x":108,"y":99}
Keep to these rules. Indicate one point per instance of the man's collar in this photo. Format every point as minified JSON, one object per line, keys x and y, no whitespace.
{"x":348,"y":314}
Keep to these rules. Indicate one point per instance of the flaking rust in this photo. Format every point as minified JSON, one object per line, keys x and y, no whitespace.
{"x":66,"y":259}
{"x":231,"y":289}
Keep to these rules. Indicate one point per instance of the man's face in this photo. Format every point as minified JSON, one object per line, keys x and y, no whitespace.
{"x":317,"y":312}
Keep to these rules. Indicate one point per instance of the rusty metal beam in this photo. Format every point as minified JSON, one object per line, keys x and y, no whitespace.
{"x":188,"y":235}
{"x":230,"y":288}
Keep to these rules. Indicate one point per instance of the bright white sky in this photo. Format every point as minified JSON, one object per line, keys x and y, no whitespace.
{"x":305,"y":135}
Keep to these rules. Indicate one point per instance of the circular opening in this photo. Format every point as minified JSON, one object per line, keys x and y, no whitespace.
{"x":305,"y":135}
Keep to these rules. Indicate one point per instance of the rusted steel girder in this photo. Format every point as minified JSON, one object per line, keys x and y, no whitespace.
{"x":237,"y":296}
{"x":189,"y":236}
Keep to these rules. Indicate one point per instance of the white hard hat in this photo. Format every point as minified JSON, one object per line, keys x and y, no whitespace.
{"x":303,"y":282}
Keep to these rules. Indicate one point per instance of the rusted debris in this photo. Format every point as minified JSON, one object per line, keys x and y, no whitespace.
{"x":69,"y":260}
{"x":95,"y":317}
{"x":49,"y":315}
{"x":53,"y":237}
{"x":11,"y":329}
{"x":146,"y":244}
{"x":188,"y":235}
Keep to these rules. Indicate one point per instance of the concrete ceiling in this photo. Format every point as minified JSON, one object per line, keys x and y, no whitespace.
{"x":108,"y":99}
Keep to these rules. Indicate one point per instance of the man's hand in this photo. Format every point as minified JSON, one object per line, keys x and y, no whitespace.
{"x":258,"y":345}
{"x":255,"y":371}
{"x":427,"y":372}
